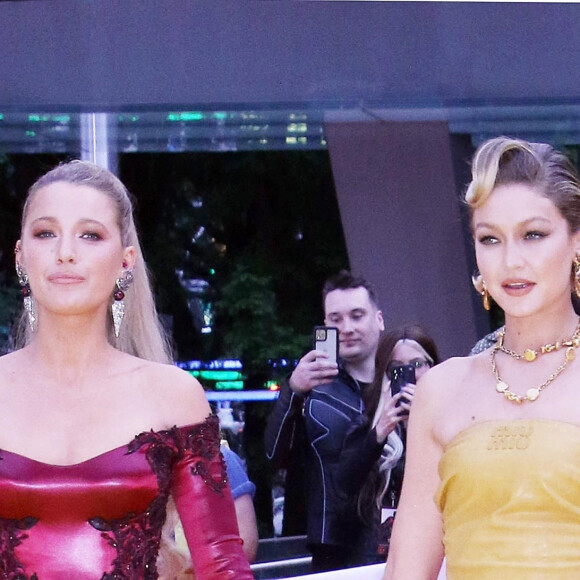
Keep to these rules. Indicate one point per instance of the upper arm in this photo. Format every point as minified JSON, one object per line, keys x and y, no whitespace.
{"x":418,"y":525}
{"x":246,"y":516}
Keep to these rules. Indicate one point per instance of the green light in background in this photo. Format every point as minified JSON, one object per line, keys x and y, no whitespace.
{"x":297,"y":128}
{"x":212,"y":271}
{"x":131,"y":118}
{"x":31,"y":133}
{"x":38,"y":118}
{"x":185,"y":116}
{"x":220,"y":375}
{"x":220,"y":116}
{"x":61,"y":118}
{"x":1,"y":117}
{"x":229,"y":385}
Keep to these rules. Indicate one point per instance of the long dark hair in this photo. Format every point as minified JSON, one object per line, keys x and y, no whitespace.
{"x":372,"y":490}
{"x":384,"y":357}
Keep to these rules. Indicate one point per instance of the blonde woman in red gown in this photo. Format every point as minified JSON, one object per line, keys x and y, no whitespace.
{"x":99,"y":430}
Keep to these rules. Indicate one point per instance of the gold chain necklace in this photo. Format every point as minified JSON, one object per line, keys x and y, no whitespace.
{"x":533,"y":393}
{"x":531,"y":355}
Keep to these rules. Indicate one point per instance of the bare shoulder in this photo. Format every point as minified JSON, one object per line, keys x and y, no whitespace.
{"x":11,"y":366}
{"x":444,"y":380}
{"x":441,"y":388}
{"x":178,"y":397}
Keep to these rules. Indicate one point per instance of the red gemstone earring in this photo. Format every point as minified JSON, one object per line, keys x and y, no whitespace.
{"x":118,"y":306}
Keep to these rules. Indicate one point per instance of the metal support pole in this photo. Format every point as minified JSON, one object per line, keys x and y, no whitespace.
{"x":97,"y":143}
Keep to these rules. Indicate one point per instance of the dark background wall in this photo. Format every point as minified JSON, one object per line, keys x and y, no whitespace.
{"x":99,"y":55}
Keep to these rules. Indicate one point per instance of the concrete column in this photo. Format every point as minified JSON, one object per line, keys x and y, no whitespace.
{"x":402,"y":222}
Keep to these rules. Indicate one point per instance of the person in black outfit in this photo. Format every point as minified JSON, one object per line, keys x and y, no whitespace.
{"x":379,"y":490}
{"x":331,"y":397}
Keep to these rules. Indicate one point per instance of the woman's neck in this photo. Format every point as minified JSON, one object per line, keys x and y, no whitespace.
{"x":68,"y":350}
{"x":533,"y":332}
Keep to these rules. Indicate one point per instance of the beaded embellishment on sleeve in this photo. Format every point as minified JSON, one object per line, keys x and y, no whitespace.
{"x":202,"y":442}
{"x":136,"y":537}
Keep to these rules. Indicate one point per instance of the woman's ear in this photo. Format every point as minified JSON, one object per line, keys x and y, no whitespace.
{"x":129,"y":257}
{"x":17,"y":251}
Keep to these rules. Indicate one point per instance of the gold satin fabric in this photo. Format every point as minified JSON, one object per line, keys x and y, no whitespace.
{"x":510,"y":499}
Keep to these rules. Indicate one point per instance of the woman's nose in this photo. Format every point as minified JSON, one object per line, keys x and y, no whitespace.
{"x":512,"y":255}
{"x":65,"y":251}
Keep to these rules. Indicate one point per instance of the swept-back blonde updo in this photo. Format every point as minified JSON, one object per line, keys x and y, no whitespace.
{"x":504,"y":160}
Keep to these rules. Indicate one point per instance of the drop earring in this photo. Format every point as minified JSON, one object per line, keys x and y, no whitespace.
{"x":576,"y":274}
{"x":485,"y":297}
{"x":118,"y":305}
{"x":26,"y":297}
{"x":481,"y":289}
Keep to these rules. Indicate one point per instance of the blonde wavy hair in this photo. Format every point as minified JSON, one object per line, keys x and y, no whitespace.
{"x":141,"y":334}
{"x":505,"y":160}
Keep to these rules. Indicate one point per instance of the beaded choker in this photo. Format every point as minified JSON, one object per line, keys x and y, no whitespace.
{"x":533,"y":393}
{"x":531,"y":355}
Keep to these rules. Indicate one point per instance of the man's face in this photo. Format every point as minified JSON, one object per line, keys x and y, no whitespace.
{"x":358,"y":321}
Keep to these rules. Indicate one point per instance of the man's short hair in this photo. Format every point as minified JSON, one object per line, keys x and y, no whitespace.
{"x":344,"y":280}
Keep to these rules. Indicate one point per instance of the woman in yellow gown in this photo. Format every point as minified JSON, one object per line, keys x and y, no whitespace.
{"x":492,"y":480}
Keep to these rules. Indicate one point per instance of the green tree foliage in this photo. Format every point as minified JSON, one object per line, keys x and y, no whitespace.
{"x":203,"y":215}
{"x":249,"y":314}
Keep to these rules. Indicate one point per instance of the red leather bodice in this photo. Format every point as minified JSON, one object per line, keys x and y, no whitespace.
{"x":101,"y":519}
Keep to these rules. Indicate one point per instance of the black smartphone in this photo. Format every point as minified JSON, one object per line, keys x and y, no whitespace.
{"x":326,"y":339}
{"x":401,"y":375}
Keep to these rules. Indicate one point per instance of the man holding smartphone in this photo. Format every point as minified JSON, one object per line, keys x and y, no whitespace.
{"x":329,"y":396}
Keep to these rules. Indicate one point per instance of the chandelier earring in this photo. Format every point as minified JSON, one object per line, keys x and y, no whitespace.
{"x":576,"y":273}
{"x":118,"y":307}
{"x":27,"y":299}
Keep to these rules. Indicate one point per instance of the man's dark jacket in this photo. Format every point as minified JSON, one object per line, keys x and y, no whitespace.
{"x":330,"y":412}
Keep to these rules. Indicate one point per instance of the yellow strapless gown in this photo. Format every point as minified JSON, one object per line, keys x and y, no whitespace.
{"x":510,"y":499}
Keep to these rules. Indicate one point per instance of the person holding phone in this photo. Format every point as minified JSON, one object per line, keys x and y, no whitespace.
{"x":403,"y":356}
{"x":313,"y":414}
{"x":491,"y":477}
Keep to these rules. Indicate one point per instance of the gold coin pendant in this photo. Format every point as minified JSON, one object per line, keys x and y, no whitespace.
{"x":529,"y":355}
{"x":532,"y":394}
{"x":501,"y":387}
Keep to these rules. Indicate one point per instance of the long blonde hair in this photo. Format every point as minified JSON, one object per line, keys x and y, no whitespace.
{"x":141,"y":333}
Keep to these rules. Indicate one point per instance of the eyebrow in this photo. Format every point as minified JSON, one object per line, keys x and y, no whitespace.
{"x":520,"y":224}
{"x":82,"y":221}
{"x":353,"y":311}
